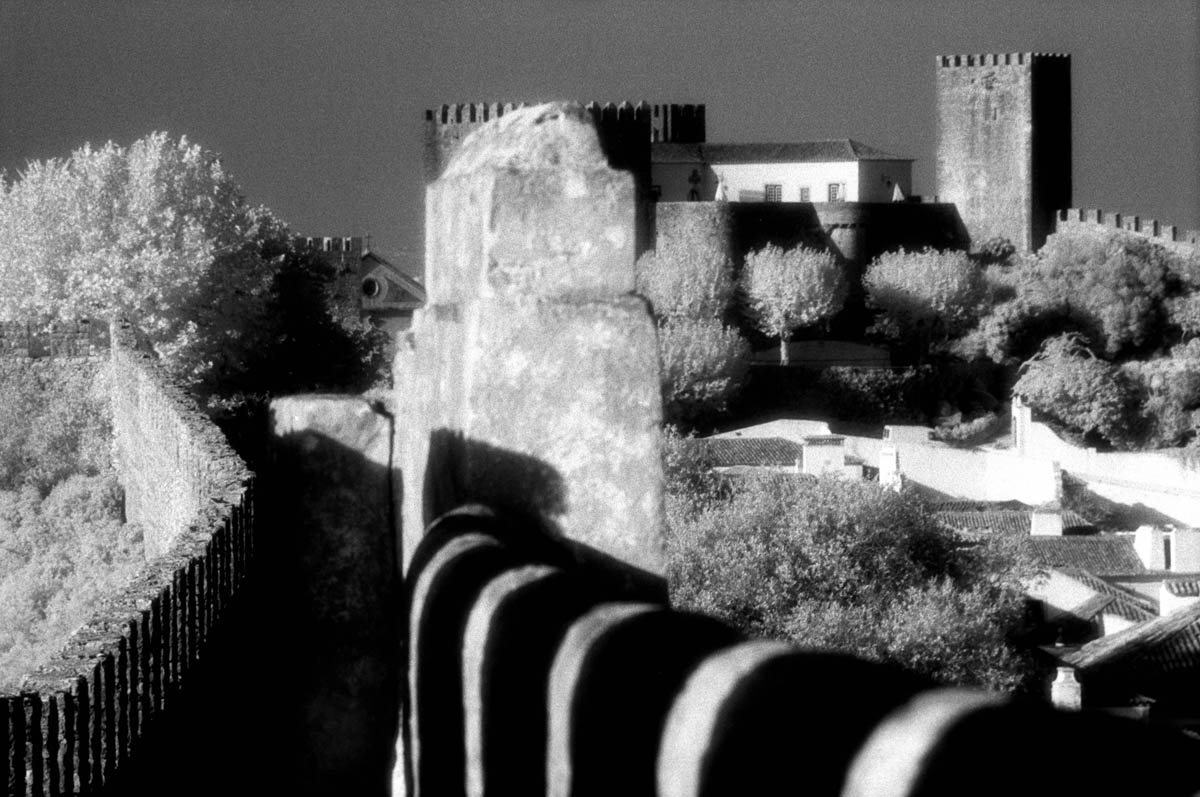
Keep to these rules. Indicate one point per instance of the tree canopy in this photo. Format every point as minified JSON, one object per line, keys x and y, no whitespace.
{"x":157,"y":232}
{"x":848,"y":565}
{"x":923,"y":290}
{"x":789,"y":289}
{"x":683,"y":281}
{"x":1071,"y":384}
{"x":703,"y":360}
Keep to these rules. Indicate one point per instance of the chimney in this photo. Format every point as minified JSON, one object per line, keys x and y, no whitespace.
{"x":1150,"y":545}
{"x":1066,"y":692}
{"x":889,"y":467}
{"x":1022,"y":422}
{"x":1046,"y":522}
{"x":1185,"y":551}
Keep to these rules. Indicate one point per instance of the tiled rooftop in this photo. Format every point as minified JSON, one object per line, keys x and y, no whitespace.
{"x":1005,"y":517}
{"x":1124,"y":603}
{"x":726,"y":452}
{"x":1099,"y":554}
{"x":1183,"y":587}
{"x":832,"y":151}
{"x":1163,"y":644}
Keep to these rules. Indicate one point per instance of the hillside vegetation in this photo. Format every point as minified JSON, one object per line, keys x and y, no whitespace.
{"x":63,"y":545}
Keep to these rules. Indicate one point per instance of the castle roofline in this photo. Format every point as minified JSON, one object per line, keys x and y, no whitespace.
{"x":830,"y":150}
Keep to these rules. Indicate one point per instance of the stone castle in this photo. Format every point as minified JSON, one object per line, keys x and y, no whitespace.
{"x":1003,"y":167}
{"x":352,"y":620}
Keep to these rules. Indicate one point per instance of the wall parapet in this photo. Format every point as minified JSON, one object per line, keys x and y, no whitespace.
{"x":996,"y":59}
{"x":81,"y":716}
{"x":532,"y":672}
{"x":1169,"y":235}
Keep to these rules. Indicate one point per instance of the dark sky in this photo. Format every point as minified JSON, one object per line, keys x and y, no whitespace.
{"x":317,"y":106}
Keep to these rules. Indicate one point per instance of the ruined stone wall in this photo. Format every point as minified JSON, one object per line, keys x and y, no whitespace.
{"x":82,"y":717}
{"x":625,"y":132}
{"x":530,"y":379}
{"x":1004,"y":142}
{"x":33,"y":340}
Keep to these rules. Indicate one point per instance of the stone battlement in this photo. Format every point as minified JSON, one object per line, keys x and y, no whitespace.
{"x":997,"y":59}
{"x":1169,"y":235}
{"x":669,"y":122}
{"x":347,"y":244}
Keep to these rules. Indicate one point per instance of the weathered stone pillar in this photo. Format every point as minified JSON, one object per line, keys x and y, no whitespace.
{"x":529,"y":382}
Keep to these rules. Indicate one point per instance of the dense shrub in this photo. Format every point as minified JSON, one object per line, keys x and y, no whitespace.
{"x":1073,"y":386}
{"x":849,"y":565}
{"x":1014,"y":330}
{"x":879,"y":394}
{"x":997,"y":249}
{"x":704,"y":361}
{"x":1115,"y":283}
{"x":59,"y":557}
{"x":970,"y":433}
{"x":686,"y":281}
{"x":1170,"y":390}
{"x":703,"y":365}
{"x":53,"y":423}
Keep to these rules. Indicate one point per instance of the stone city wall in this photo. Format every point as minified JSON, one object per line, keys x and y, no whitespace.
{"x":1166,"y":481}
{"x":1178,"y":240}
{"x":81,"y":717}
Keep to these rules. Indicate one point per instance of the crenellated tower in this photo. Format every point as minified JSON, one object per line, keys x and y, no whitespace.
{"x":1004,"y":142}
{"x":625,"y":130}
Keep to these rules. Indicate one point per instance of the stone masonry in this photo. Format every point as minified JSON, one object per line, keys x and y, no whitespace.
{"x":530,"y":381}
{"x":1004,"y":142}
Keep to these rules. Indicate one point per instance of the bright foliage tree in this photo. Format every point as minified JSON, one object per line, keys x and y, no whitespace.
{"x":703,"y":360}
{"x":793,"y":288}
{"x":686,"y":282}
{"x":157,"y":232}
{"x":923,"y":290}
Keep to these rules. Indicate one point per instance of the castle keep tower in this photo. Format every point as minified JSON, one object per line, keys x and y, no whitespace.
{"x":1004,"y":142}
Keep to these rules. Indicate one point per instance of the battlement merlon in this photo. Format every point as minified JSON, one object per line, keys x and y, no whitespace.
{"x":1147,"y":228}
{"x":998,"y":59}
{"x":679,"y":122}
{"x":329,"y":243}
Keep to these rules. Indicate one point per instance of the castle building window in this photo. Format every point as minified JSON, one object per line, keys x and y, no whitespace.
{"x":805,"y":194}
{"x":773,"y":192}
{"x":837,"y":192}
